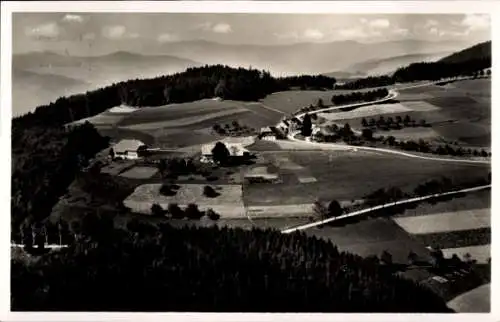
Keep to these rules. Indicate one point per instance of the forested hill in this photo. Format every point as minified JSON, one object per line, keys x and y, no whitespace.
{"x":190,"y":85}
{"x":476,"y":52}
{"x":163,"y":269}
{"x":468,"y":62}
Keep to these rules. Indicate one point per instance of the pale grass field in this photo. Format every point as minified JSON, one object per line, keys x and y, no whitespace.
{"x":366,"y":111}
{"x":380,"y":109}
{"x":410,"y":133}
{"x":481,"y":253}
{"x":446,"y":222}
{"x":228,"y":204}
{"x":140,"y":173}
{"x":186,"y":121}
{"x":474,"y":301}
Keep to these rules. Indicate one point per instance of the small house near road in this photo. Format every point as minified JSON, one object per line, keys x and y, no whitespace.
{"x":128,"y":149}
{"x":235,"y":150}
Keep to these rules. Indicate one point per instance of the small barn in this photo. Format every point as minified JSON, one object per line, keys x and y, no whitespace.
{"x":128,"y":149}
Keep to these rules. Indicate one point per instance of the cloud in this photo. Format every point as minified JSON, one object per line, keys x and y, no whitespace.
{"x":206,"y":26}
{"x":475,"y":22}
{"x":117,"y":32}
{"x":114,"y":32}
{"x":72,"y":18}
{"x":49,"y":30}
{"x":287,"y":35}
{"x":379,"y":23}
{"x":222,"y":28}
{"x":434,"y":31}
{"x":89,"y":36}
{"x":166,"y":37}
{"x":351,"y":33}
{"x":313,"y":34}
{"x":430,"y":23}
{"x":401,"y":31}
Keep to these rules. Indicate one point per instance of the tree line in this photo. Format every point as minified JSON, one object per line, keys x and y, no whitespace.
{"x":193,"y":84}
{"x":358,"y":97}
{"x":161,"y":268}
{"x":44,"y":162}
{"x":430,"y":71}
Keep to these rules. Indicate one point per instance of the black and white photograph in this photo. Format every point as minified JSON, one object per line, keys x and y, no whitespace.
{"x":222,"y":161}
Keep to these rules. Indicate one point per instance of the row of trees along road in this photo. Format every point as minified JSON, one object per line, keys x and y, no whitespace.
{"x":161,"y":268}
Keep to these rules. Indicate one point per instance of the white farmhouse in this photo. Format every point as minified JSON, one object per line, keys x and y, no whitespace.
{"x":128,"y":149}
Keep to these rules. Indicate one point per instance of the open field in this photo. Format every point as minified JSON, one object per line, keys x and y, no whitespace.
{"x":140,"y":173}
{"x":444,"y":222}
{"x":372,"y":237}
{"x":228,"y":204}
{"x":351,"y":175}
{"x":471,"y":201}
{"x":480,"y":253}
{"x":410,"y":133}
{"x":473,"y":301}
{"x":380,"y":109}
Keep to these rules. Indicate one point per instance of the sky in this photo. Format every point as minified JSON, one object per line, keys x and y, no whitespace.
{"x":76,"y":33}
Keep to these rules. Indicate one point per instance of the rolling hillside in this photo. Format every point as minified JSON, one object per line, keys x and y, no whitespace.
{"x":479,"y":51}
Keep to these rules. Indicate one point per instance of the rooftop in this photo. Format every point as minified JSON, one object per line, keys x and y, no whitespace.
{"x":127,"y":145}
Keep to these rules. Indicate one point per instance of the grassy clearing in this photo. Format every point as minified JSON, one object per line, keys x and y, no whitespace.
{"x":367,"y":111}
{"x":411,"y":133}
{"x":189,"y":121}
{"x":228,"y":204}
{"x":456,"y":239}
{"x":351,"y":175}
{"x":290,"y":101}
{"x":445,"y":222}
{"x":474,"y":301}
{"x":140,"y":173}
{"x":480,"y":253}
{"x":372,"y":237}
{"x":471,"y":201}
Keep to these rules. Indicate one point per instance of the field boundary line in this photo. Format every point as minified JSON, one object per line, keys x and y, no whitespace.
{"x":387,"y":205}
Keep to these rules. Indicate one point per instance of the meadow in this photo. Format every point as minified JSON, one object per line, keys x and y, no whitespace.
{"x":344,"y":175}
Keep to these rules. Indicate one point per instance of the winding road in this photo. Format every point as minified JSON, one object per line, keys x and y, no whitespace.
{"x":392,"y":94}
{"x":387,"y":205}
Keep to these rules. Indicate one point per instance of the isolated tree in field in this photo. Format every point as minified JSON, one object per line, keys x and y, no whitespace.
{"x":467,"y":258}
{"x":175,"y":211}
{"x":488,"y":72}
{"x":319,"y":209}
{"x":209,"y":192}
{"x":481,"y":73}
{"x":192,"y":211}
{"x":334,"y":209}
{"x":320,"y":103}
{"x":364,"y":122}
{"x":391,"y":140}
{"x":211,"y":214}
{"x":306,"y":129}
{"x":367,"y":134}
{"x":220,"y":153}
{"x":157,"y":210}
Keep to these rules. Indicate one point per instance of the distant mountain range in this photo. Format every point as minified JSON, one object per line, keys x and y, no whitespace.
{"x":39,"y":71}
{"x":41,"y":77}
